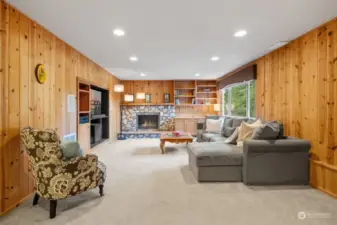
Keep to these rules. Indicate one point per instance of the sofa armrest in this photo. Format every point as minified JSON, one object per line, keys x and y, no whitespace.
{"x":276,"y":146}
{"x":283,"y":161}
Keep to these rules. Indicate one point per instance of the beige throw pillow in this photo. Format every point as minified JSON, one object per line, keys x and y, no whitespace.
{"x":246,"y":131}
{"x":214,"y":126}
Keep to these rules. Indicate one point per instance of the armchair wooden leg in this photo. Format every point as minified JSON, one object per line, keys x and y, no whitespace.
{"x":36,"y":199}
{"x":52,"y":210}
{"x":101,"y":192}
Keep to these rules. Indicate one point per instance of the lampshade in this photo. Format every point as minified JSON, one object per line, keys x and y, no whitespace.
{"x":118,"y":88}
{"x":140,"y":95}
{"x":216,"y":107}
{"x":128,"y":97}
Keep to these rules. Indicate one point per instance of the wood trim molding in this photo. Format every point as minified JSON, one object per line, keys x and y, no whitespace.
{"x":236,"y":70}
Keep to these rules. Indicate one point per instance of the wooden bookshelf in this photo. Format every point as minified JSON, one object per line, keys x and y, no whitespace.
{"x":89,"y":120}
{"x":195,"y":92}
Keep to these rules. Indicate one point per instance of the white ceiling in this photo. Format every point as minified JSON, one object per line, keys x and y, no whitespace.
{"x":175,"y":39}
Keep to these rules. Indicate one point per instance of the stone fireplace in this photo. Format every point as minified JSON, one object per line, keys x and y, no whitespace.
{"x":160,"y":114}
{"x":148,"y":121}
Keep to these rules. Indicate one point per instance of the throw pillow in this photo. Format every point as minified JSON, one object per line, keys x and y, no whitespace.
{"x":228,"y":122}
{"x":71,"y":149}
{"x":232,"y":139}
{"x":237,"y":121}
{"x":269,"y":131}
{"x":228,"y":131}
{"x":214,"y":126}
{"x":209,"y":117}
{"x":250,"y":121}
{"x":246,"y":131}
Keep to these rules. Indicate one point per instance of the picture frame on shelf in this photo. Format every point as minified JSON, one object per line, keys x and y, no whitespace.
{"x":147,"y":98}
{"x":166,"y":98}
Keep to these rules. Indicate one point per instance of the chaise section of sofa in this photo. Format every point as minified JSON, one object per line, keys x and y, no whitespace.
{"x":282,"y":161}
{"x":215,"y":162}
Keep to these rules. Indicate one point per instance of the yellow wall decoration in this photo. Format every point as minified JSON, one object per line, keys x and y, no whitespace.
{"x":41,"y":74}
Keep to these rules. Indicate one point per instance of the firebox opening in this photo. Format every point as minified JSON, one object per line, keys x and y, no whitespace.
{"x":148,"y":121}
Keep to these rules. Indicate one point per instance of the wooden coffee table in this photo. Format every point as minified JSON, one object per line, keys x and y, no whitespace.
{"x":167,"y":137}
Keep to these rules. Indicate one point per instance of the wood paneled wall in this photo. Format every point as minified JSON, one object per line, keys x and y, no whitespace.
{"x":25,"y":102}
{"x":297,"y":84}
{"x":157,"y":89}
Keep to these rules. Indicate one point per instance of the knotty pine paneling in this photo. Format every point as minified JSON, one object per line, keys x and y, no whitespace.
{"x":25,"y":102}
{"x":297,"y":84}
{"x":157,"y":89}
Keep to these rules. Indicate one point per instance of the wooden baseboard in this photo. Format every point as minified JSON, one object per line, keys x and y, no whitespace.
{"x":324,"y":190}
{"x":323,"y":176}
{"x":324,"y":164}
{"x":15,"y":205}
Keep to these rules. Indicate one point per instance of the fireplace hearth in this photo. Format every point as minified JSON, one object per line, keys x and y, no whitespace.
{"x":148,"y":121}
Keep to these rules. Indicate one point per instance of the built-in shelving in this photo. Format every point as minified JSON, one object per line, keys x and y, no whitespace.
{"x":93,"y":114}
{"x":143,"y":104}
{"x":195,"y":92}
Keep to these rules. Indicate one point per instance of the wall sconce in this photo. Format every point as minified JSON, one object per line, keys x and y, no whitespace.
{"x":216,"y":107}
{"x":128,"y":97}
{"x":140,"y":95}
{"x":118,"y":88}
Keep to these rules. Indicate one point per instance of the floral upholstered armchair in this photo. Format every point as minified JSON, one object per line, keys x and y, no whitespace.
{"x":55,"y":177}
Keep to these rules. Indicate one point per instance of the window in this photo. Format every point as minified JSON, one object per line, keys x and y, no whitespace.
{"x":252,"y":98}
{"x":239,"y":99}
{"x":226,"y":102}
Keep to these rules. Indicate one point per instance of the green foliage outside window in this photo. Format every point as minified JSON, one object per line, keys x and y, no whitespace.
{"x":239,"y":100}
{"x":238,"y":96}
{"x":226,"y":102}
{"x":252,"y":99}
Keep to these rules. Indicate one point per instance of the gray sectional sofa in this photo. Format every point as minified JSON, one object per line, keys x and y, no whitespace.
{"x":284,"y":160}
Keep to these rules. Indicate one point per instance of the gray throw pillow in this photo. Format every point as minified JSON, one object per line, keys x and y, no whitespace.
{"x":237,"y":121}
{"x":228,"y":122}
{"x":250,"y":121}
{"x":233,"y":138}
{"x":269,"y":131}
{"x":228,"y":131}
{"x":71,"y":149}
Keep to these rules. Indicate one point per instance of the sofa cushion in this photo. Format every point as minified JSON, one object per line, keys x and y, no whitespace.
{"x":218,"y":138}
{"x":237,"y":121}
{"x":216,"y":154}
{"x":228,"y":122}
{"x":228,"y":131}
{"x":233,"y":138}
{"x":269,"y":131}
{"x":207,"y":136}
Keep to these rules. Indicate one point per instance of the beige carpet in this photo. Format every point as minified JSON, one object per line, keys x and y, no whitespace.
{"x":145,"y":187}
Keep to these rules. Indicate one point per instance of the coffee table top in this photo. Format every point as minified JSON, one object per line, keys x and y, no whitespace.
{"x":170,"y":136}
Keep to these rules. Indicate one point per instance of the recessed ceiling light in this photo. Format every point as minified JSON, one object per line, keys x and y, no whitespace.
{"x":197,"y":74}
{"x":143,"y":74}
{"x":133,"y":58}
{"x":215,"y":58}
{"x":240,"y":33}
{"x":119,"y":32}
